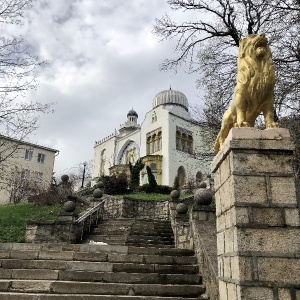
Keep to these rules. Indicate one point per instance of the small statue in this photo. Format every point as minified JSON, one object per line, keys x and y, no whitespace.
{"x":254,"y":91}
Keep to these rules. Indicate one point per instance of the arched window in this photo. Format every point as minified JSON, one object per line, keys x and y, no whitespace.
{"x":154,"y":117}
{"x":149,"y":145}
{"x":154,"y":142}
{"x":190,"y":144}
{"x":178,"y":140}
{"x":159,"y":141}
{"x":199,"y":176}
{"x":184,"y":142}
{"x":181,"y":175}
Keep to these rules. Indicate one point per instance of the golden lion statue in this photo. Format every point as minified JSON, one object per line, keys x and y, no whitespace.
{"x":254,"y":91}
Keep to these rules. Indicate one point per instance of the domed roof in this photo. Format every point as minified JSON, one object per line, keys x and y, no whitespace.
{"x":170,"y":97}
{"x":132,"y":113}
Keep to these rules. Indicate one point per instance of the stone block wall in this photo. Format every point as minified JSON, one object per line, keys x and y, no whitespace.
{"x":203,"y":228}
{"x":52,"y":232}
{"x":258,"y":225}
{"x":182,"y":232}
{"x":121,"y":207}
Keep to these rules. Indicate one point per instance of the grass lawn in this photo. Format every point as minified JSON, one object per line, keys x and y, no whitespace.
{"x":13,"y":218}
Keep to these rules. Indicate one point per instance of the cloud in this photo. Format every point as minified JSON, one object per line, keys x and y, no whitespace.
{"x":102,"y":60}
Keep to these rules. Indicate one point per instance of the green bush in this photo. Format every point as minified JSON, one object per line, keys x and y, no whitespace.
{"x":163,"y":189}
{"x":151,"y":179}
{"x":114,"y":185}
{"x":135,"y":174}
{"x":160,"y":189}
{"x":146,"y":188}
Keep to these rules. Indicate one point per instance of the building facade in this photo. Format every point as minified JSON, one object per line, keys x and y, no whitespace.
{"x":169,"y":141}
{"x":23,"y":164}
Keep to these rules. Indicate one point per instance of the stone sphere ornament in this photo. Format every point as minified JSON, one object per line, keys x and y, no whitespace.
{"x":69,"y":206}
{"x":64,"y":178}
{"x":202,"y":185}
{"x":181,"y":208}
{"x":203,"y":196}
{"x":99,"y":185}
{"x":98,"y":193}
{"x":175,"y":194}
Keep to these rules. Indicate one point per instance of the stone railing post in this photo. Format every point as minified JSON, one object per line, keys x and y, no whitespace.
{"x":258,"y":227}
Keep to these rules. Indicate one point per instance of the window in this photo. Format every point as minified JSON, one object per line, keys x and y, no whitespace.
{"x":154,"y":117}
{"x":184,"y":140}
{"x":190,"y":144}
{"x":159,"y":141}
{"x":154,"y":141}
{"x":41,"y":158}
{"x":25,"y":174}
{"x":153,"y":166}
{"x":38,"y":176}
{"x":28,"y":154}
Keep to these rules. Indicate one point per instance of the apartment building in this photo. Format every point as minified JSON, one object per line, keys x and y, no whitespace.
{"x":23,"y":163}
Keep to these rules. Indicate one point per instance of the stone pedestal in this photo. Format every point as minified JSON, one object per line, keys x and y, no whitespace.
{"x":258,"y":226}
{"x":203,"y":213}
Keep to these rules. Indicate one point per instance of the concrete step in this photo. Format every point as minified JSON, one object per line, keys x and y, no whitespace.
{"x":120,"y":277}
{"x":60,"y":287}
{"x":148,"y":233}
{"x":155,"y":268}
{"x":143,"y":244}
{"x":110,"y":230}
{"x":91,"y":271}
{"x":103,"y":238}
{"x":133,"y":278}
{"x":98,"y":288}
{"x":156,"y":232}
{"x":30,"y":296}
{"x":15,"y":264}
{"x":86,"y":257}
{"x":69,"y":251}
{"x":160,"y":251}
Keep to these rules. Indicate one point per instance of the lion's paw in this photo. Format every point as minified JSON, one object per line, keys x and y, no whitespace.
{"x":273,"y":125}
{"x":242,"y":124}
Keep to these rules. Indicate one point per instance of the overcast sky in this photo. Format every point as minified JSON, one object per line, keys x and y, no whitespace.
{"x":103,"y":59}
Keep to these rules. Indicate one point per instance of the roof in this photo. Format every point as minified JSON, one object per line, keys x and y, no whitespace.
{"x":22,"y":142}
{"x":170,"y":97}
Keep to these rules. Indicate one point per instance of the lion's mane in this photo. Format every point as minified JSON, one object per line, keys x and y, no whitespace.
{"x":254,"y":91}
{"x":254,"y":51}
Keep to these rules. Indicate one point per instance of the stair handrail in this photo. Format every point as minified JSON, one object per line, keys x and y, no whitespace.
{"x":89,"y":216}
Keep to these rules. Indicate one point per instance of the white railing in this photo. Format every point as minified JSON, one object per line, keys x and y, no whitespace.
{"x":90,"y":218}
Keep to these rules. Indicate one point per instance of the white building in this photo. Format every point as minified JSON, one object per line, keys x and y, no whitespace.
{"x":168,"y":140}
{"x":22,"y":162}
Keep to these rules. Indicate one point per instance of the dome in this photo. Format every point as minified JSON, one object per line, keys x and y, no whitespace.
{"x":170,"y":97}
{"x":132,"y":113}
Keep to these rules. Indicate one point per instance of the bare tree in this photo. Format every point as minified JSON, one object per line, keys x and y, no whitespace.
{"x":18,"y":116}
{"x":209,"y":45}
{"x":75,"y":172}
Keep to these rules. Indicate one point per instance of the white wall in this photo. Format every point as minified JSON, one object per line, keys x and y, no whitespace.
{"x":191,"y":163}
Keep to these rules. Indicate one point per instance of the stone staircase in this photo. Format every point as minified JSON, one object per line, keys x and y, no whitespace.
{"x":147,"y":267}
{"x":151,"y":233}
{"x":110,"y":231}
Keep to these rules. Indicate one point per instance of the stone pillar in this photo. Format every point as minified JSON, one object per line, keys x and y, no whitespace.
{"x":258,"y":226}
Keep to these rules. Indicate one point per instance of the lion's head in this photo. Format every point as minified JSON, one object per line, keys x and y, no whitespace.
{"x":254,"y":51}
{"x":254,"y":46}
